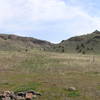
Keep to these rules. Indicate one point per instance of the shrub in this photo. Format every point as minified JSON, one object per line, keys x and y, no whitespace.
{"x":77,"y":47}
{"x":73,"y":93}
{"x":83,"y":52}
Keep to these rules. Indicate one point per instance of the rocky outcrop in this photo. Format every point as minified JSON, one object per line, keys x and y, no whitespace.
{"x":27,"y":95}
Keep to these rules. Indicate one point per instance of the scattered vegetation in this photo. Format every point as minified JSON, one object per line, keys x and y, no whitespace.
{"x":24,"y":67}
{"x":84,"y":44}
{"x":49,"y":73}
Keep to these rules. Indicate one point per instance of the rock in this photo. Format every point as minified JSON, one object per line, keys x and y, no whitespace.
{"x":19,"y":98}
{"x":22,"y":94}
{"x":7,"y":93}
{"x":72,"y":89}
{"x":6,"y":98}
{"x":34,"y":93}
{"x":13,"y":96}
{"x":29,"y":96}
{"x":34,"y":96}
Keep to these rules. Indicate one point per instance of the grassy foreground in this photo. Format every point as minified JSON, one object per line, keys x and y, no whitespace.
{"x":51,"y":74}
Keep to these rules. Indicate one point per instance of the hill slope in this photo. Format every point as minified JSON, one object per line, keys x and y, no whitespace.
{"x":14,"y":42}
{"x":89,"y":43}
{"x":85,"y":44}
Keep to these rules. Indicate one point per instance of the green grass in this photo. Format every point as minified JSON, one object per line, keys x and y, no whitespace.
{"x":73,"y":93}
{"x":26,"y":87}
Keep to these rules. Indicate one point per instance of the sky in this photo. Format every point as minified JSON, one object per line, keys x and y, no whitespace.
{"x":51,"y":20}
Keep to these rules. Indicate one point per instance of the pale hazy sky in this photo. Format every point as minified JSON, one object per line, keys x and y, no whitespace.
{"x":52,"y":20}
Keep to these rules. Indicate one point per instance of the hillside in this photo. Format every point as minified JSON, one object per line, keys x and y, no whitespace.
{"x":14,"y":42}
{"x":89,"y":43}
{"x":84,"y":44}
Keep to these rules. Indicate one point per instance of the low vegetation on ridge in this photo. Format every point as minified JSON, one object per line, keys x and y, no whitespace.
{"x":84,"y":44}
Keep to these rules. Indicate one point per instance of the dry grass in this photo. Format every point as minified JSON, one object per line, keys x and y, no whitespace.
{"x":51,"y":73}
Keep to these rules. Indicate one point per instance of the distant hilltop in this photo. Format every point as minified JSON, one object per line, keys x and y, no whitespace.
{"x":84,"y":44}
{"x":14,"y":42}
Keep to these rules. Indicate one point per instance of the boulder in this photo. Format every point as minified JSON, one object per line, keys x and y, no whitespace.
{"x":72,"y":89}
{"x":29,"y":96}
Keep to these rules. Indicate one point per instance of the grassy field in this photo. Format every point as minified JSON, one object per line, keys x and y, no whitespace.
{"x":51,"y":74}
